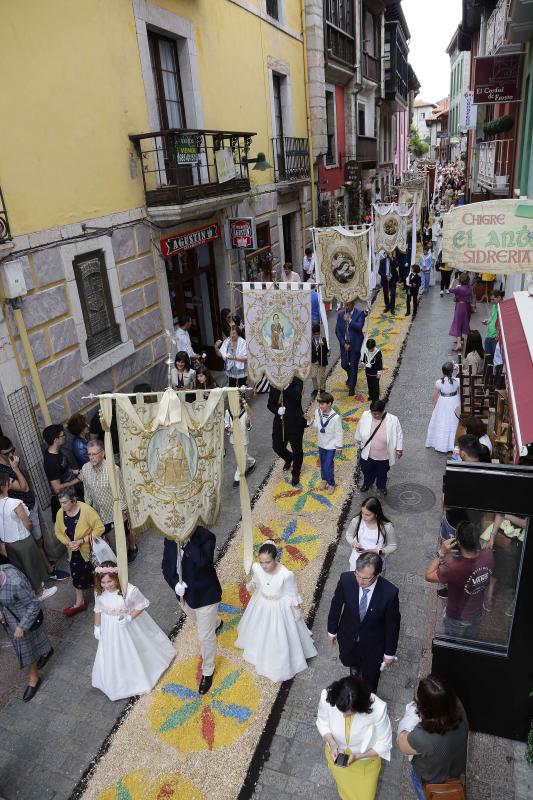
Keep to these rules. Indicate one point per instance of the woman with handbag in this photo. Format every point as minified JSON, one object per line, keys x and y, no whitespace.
{"x":75,"y":526}
{"x":371,"y":532}
{"x":380,"y":439}
{"x":22,"y":617}
{"x":438,"y":741}
{"x":356,"y":729}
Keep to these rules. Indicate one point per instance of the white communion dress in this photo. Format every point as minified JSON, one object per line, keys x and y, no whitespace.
{"x":131,"y":656}
{"x":443,"y":424}
{"x":273,"y":639}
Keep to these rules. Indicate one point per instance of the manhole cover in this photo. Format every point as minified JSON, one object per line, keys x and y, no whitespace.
{"x":410,"y":497}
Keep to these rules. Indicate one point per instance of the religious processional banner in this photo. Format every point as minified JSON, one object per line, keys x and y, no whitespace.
{"x":494,"y":236}
{"x":412,"y":196}
{"x":393,"y":227}
{"x":278,"y":331}
{"x":344,"y":259}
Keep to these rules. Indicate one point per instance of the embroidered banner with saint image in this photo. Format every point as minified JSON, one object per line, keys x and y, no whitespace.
{"x":344,"y":262}
{"x":393,"y":225}
{"x":278,"y":331}
{"x":171,"y":456}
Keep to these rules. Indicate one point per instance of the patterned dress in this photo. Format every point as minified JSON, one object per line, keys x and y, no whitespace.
{"x":19,"y":607}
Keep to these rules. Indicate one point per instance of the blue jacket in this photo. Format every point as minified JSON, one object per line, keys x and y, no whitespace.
{"x":197,"y":568}
{"x":355,"y":330}
{"x":393,"y":269}
{"x":378,"y":634}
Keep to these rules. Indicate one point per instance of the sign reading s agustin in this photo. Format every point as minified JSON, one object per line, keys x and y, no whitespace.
{"x":189,"y":239}
{"x":496,"y":236}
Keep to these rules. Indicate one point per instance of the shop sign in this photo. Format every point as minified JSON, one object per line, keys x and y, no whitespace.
{"x":188,"y":240}
{"x":494,"y":236}
{"x":242,"y":234}
{"x":186,"y":145}
{"x":225,"y":163}
{"x":496,"y":79}
{"x":467,"y":112}
{"x":352,"y":172}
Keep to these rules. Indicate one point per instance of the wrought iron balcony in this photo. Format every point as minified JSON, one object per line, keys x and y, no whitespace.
{"x":291,"y":158}
{"x":495,"y":161}
{"x":5,"y":233}
{"x":367,"y":149}
{"x":184,"y":165}
{"x":371,"y":68}
{"x":496,"y":35}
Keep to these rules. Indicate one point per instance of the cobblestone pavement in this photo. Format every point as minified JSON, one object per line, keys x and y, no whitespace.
{"x":295,"y":763}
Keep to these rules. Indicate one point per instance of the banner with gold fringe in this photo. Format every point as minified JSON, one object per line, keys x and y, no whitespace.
{"x":278,"y":331}
{"x":344,"y":261}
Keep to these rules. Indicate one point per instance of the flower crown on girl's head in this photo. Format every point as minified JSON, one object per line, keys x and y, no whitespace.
{"x":106,"y":570}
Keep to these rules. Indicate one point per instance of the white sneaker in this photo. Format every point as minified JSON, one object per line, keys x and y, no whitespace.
{"x":48,"y":593}
{"x":447,"y":291}
{"x":442,"y":294}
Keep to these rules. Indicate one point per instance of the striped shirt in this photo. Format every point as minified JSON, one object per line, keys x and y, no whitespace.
{"x":97,"y":491}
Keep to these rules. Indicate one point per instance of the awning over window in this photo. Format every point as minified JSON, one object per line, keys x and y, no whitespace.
{"x":515,"y":320}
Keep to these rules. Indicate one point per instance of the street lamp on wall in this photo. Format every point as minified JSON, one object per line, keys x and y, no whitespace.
{"x":260,"y":162}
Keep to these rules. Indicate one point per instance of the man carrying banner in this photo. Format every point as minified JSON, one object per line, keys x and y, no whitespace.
{"x":200,"y":590}
{"x":349,"y":332}
{"x":288,"y":426}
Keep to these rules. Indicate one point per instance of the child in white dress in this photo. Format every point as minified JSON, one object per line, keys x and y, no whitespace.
{"x":133,"y":652}
{"x":446,"y":400}
{"x":272,"y":631}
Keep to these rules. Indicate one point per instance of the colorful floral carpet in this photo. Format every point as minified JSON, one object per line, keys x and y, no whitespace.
{"x":174,"y":744}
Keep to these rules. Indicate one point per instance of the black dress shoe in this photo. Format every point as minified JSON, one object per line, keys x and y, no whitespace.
{"x":205,"y":684}
{"x":250,"y":469}
{"x":31,"y":691}
{"x":287,"y":465}
{"x":219,"y":627}
{"x":364,"y":488}
{"x":295,"y":480}
{"x":351,"y":393}
{"x":44,"y":659}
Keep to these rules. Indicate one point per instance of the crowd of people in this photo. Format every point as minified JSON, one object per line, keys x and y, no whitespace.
{"x":364,"y":616}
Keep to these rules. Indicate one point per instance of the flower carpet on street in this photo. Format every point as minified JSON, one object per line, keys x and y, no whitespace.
{"x":182,"y":744}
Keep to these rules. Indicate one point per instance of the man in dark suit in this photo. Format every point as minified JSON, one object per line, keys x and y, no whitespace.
{"x":349,"y":332}
{"x":365,"y":619}
{"x":388,"y":271}
{"x":288,"y":426}
{"x":200,"y":590}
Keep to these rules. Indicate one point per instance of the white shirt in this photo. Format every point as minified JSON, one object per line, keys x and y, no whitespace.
{"x":230,"y":349}
{"x":293,"y":277}
{"x":367,"y":731}
{"x":182,"y":341}
{"x":394,"y":434}
{"x":486,"y":441}
{"x":12,"y":528}
{"x":331,"y":439}
{"x":309,"y":264}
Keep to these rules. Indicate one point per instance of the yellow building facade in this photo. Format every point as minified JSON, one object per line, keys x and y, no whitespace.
{"x":116,"y":231}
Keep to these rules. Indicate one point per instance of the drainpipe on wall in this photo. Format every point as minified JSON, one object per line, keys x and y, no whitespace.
{"x":32,"y":366}
{"x":308,"y":117}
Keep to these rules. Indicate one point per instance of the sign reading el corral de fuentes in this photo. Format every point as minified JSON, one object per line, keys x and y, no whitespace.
{"x":189,"y":239}
{"x":496,"y":79}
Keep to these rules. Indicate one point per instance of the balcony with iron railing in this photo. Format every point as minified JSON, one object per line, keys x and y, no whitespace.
{"x":5,"y":233}
{"x":495,"y":159}
{"x":371,"y":68}
{"x":496,"y":36}
{"x":291,"y":158}
{"x":184,"y":165}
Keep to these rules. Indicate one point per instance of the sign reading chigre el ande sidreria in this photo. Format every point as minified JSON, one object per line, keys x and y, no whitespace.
{"x":496,"y":236}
